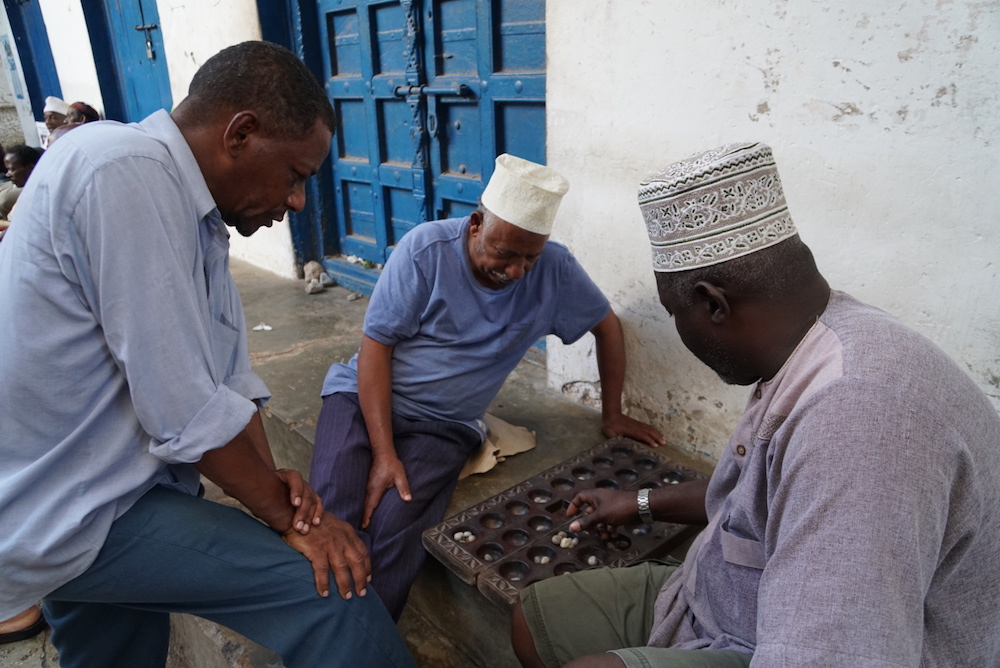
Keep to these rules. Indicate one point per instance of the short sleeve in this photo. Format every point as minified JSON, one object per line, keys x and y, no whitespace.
{"x":581,"y":304}
{"x":136,"y":262}
{"x":399,"y":298}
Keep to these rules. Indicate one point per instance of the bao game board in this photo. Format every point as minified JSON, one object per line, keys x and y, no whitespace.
{"x":521,"y":535}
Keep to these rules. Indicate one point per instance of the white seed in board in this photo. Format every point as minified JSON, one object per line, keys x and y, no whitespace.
{"x":545,"y":560}
{"x":488,"y":557}
{"x":591,"y":560}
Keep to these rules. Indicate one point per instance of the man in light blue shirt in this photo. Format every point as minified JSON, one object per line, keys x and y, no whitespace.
{"x":126,"y":375}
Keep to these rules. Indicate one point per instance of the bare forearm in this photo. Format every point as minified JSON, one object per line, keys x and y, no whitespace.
{"x":259,"y":438}
{"x":375,"y":393}
{"x":681,"y":504}
{"x":610,"y":349}
{"x":611,"y":365}
{"x":243,"y":473}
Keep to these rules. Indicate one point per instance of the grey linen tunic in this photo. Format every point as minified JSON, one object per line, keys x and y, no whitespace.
{"x":855,"y":514}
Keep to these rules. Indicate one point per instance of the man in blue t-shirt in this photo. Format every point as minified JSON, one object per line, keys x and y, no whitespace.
{"x":458,"y":304}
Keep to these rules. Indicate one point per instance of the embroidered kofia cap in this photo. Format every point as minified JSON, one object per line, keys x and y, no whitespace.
{"x":54,"y":104}
{"x":525,"y":194}
{"x":714,"y":206}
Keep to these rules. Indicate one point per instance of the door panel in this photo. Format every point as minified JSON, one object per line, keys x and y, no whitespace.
{"x":427,"y":93}
{"x":139,"y":57}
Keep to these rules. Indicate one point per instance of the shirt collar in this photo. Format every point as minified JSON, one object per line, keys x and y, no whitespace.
{"x":161,"y":126}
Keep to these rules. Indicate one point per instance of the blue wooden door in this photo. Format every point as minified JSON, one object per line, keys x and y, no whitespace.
{"x":427,"y":93}
{"x":137,"y":57}
{"x":37,"y":65}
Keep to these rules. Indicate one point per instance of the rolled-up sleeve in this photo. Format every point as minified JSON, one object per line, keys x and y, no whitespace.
{"x":144,"y":273}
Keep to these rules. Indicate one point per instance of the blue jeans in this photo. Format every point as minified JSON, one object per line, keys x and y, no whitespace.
{"x":176,"y":553}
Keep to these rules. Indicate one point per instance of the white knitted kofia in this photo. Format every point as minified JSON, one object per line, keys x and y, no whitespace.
{"x":714,"y":206}
{"x":524,"y":193}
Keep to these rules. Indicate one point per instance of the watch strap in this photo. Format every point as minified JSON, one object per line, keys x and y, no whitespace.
{"x":644,"y":513}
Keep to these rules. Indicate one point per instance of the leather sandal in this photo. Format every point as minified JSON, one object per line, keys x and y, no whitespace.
{"x":25,"y":633}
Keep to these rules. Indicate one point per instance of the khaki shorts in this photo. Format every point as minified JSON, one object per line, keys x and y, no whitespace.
{"x":608,"y":610}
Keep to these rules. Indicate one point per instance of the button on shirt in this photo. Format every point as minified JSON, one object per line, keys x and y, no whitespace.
{"x":124,"y":355}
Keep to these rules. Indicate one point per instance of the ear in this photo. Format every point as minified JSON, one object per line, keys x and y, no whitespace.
{"x":240,"y":131}
{"x":713,"y":299}
{"x":475,"y":222}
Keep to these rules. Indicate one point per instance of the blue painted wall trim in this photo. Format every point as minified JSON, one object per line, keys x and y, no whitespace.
{"x":104,"y":60}
{"x":37,"y":64}
{"x":282,"y":23}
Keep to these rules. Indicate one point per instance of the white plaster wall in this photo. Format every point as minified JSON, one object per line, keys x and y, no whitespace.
{"x":71,"y":51}
{"x":192,"y":33}
{"x":17,"y":125}
{"x":6,"y":93}
{"x":195,"y":31}
{"x":884,"y":121}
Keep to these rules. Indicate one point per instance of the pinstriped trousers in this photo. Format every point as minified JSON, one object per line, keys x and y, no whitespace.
{"x":432,"y":453}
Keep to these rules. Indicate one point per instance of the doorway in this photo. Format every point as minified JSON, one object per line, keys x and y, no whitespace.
{"x":127,"y":43}
{"x":427,"y":94}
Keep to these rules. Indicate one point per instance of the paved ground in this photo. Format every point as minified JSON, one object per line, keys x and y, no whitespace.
{"x":38,"y":652}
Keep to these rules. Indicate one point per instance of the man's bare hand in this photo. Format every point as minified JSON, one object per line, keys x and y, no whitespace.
{"x":386,"y":472}
{"x":622,"y":425}
{"x":334,"y":545}
{"x":603,"y":510}
{"x":308,"y":505}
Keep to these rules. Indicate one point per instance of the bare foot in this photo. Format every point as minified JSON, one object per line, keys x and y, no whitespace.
{"x":21,"y":621}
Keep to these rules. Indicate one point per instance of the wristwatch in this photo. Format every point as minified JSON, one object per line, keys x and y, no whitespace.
{"x":643,"y":499}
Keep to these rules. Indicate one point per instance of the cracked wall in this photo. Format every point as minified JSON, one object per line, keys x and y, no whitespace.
{"x":885,"y":125}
